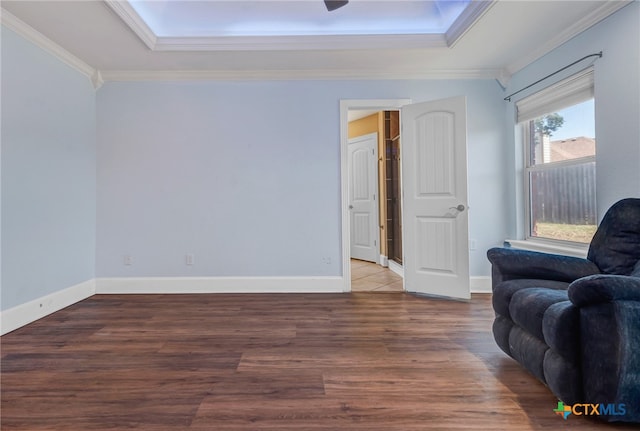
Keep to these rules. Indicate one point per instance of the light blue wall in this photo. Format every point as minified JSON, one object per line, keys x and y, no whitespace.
{"x":617,"y":95}
{"x":246,"y":175}
{"x":48,"y":173}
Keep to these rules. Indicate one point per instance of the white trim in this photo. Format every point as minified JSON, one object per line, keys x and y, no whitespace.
{"x":384,"y":261}
{"x":467,"y":20}
{"x":397,"y":268}
{"x":550,"y":247}
{"x":32,"y":35}
{"x":607,"y":8}
{"x":24,"y":314}
{"x":177,"y":285}
{"x":503,"y":77}
{"x":345,"y":105}
{"x":299,"y":43}
{"x":480,"y":284}
{"x":97,"y":80}
{"x":29,"y":312}
{"x":131,"y":18}
{"x":295,"y":74}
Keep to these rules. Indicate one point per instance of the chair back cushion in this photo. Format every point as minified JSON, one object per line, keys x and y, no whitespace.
{"x":615,"y":247}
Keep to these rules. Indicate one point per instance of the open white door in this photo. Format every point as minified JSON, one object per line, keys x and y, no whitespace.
{"x":363,"y":203}
{"x":434,"y":178}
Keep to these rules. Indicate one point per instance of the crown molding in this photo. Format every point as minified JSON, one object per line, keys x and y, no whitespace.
{"x":466,"y":20}
{"x":97,"y":80}
{"x":299,"y":43}
{"x":503,"y":77}
{"x":127,"y":13}
{"x":23,"y":29}
{"x":281,"y":75}
{"x":130,"y":17}
{"x":570,"y":32}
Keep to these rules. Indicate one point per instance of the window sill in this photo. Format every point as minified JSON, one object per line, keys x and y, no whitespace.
{"x":547,"y":247}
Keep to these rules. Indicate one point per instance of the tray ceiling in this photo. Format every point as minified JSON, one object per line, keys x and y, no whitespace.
{"x":108,"y":40}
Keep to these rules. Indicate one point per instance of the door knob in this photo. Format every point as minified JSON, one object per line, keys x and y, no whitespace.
{"x":458,"y":208}
{"x":350,"y":207}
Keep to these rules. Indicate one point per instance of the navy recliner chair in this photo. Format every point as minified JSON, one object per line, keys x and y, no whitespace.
{"x":575,"y":323}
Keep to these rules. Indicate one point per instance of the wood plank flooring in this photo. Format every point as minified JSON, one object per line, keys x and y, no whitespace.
{"x":360,"y":361}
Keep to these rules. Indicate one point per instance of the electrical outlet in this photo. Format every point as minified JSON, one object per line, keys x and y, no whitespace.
{"x":188,"y":259}
{"x":127,"y":260}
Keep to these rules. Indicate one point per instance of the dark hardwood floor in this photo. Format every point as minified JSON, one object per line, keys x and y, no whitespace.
{"x":362,"y":361}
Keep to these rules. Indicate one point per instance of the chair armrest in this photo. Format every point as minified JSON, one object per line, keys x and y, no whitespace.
{"x":510,"y":263}
{"x":610,"y":341}
{"x":601,"y":288}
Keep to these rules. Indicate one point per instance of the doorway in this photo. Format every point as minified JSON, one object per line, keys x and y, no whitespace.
{"x":374,"y":201}
{"x":376,"y":174}
{"x":383,"y":120}
{"x":433,"y":188}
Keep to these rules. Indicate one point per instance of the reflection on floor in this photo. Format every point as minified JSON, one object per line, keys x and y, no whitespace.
{"x":371,"y":277}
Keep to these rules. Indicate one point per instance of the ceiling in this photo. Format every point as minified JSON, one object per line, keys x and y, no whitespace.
{"x":170,"y":18}
{"x":108,"y":42}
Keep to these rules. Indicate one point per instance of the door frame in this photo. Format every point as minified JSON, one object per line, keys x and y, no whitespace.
{"x":345,"y":106}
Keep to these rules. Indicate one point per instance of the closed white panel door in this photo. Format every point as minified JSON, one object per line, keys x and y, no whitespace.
{"x":363,"y":201}
{"x":434,"y":177}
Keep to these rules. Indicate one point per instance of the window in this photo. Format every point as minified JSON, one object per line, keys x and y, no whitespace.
{"x":558,"y":129}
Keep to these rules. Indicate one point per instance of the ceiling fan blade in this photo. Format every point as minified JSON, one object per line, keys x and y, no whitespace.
{"x":335,"y":4}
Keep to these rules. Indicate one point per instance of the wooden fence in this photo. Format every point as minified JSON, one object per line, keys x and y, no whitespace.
{"x":565,"y":195}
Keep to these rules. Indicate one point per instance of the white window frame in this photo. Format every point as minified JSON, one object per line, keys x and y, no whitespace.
{"x":566,"y":93}
{"x":541,"y":167}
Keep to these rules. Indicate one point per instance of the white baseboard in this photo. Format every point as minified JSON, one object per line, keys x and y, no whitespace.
{"x":176,"y":285}
{"x":397,"y":268}
{"x":29,"y":312}
{"x":480,"y":284}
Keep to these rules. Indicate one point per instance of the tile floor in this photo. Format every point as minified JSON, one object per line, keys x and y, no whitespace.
{"x":371,"y":277}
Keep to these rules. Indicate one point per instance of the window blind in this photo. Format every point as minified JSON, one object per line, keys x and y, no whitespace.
{"x":571,"y":91}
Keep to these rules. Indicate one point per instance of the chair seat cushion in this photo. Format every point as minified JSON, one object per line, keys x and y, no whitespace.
{"x":504,"y":291}
{"x":527,"y":307}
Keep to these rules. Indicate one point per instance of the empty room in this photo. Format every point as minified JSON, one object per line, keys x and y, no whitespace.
{"x":320,"y":215}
